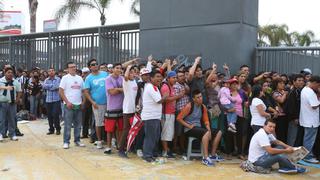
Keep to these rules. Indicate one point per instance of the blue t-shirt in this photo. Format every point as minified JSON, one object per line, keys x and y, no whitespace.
{"x":96,"y":86}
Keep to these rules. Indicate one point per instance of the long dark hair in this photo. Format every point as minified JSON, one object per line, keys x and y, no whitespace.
{"x":256,"y":89}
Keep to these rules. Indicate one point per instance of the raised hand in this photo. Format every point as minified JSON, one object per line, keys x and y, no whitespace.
{"x":150,"y":58}
{"x":225,"y":67}
{"x":167,"y":61}
{"x":214,"y":67}
{"x":174,"y":62}
{"x":197,"y":60}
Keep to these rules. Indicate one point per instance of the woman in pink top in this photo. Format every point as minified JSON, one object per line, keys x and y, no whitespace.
{"x":240,"y":136}
{"x":227,"y":101}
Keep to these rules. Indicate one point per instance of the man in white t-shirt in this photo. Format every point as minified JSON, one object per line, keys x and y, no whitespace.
{"x":262,"y":154}
{"x":151,"y":115}
{"x":309,"y":116}
{"x":70,"y":90}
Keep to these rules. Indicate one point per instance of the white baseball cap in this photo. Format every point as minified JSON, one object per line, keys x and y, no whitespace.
{"x":85,"y":70}
{"x":144,"y":71}
{"x":307,"y":70}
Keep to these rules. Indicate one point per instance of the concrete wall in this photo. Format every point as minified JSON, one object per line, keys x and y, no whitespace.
{"x":223,"y":31}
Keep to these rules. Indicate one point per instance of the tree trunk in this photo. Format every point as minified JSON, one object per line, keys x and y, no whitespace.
{"x":33,"y":6}
{"x":103,"y":19}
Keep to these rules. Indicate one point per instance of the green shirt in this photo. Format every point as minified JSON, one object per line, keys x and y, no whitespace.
{"x":7,"y":98}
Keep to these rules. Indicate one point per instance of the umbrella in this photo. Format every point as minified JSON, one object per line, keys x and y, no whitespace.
{"x":136,"y":125}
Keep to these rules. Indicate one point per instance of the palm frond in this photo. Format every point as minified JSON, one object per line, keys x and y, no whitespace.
{"x":104,"y":4}
{"x":135,"y":7}
{"x":71,"y":9}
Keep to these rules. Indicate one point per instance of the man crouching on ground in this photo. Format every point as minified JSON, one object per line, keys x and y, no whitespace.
{"x":262,"y":154}
{"x":190,"y":117}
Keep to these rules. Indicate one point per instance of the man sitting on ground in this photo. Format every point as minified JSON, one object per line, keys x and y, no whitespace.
{"x":190,"y":117}
{"x":262,"y":154}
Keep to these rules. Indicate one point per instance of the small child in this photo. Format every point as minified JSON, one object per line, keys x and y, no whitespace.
{"x":226,"y":101}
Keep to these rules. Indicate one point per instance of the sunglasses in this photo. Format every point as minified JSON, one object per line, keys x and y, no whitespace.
{"x":94,"y":64}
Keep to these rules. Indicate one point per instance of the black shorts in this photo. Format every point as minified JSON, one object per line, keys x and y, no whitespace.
{"x":198,"y":132}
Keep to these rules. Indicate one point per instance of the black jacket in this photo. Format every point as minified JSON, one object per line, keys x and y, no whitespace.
{"x":292,"y":104}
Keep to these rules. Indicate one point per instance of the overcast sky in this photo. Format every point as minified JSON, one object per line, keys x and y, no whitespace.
{"x":299,"y":15}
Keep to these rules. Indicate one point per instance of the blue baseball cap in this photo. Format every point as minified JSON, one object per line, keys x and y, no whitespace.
{"x":171,"y":74}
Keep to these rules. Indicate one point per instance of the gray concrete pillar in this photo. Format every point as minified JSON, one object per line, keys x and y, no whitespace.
{"x":223,"y":31}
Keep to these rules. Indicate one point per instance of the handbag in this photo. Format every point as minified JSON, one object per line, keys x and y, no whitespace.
{"x":113,"y":114}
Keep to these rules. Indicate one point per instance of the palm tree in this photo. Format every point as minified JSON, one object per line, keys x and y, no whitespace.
{"x":275,"y":34}
{"x":33,"y":6}
{"x":71,"y":9}
{"x":296,"y":39}
{"x":306,"y":38}
{"x":135,"y":7}
{"x":292,"y":38}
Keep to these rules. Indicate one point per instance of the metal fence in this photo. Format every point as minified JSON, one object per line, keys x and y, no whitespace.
{"x":287,"y":59}
{"x":107,"y":44}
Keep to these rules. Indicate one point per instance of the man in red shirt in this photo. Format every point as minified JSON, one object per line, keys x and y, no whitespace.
{"x":169,"y":110}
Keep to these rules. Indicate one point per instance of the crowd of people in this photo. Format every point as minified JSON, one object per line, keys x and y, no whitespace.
{"x":256,"y":117}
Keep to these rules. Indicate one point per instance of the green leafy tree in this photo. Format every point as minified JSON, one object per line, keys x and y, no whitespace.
{"x":71,"y":9}
{"x":278,"y":35}
{"x":306,"y":38}
{"x":274,"y":34}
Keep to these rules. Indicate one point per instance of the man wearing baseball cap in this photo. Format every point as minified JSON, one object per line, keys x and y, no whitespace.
{"x":168,"y":112}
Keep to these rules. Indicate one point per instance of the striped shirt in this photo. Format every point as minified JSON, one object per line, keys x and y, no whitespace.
{"x":182,"y":102}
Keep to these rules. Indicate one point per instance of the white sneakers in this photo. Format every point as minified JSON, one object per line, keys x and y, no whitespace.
{"x":65,"y":146}
{"x":114,"y":143}
{"x":14,"y":138}
{"x":312,"y":160}
{"x":99,"y":145}
{"x":139,"y":153}
{"x":79,"y":144}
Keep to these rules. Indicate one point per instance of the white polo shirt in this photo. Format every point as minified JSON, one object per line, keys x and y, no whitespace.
{"x":309,"y":117}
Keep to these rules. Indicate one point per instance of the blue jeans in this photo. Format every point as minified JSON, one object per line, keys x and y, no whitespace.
{"x":34,"y":101}
{"x":72,"y":117}
{"x":309,"y":138}
{"x":152,"y":137}
{"x":292,"y":133}
{"x":267,"y":160}
{"x":231,"y":116}
{"x":8,"y":116}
